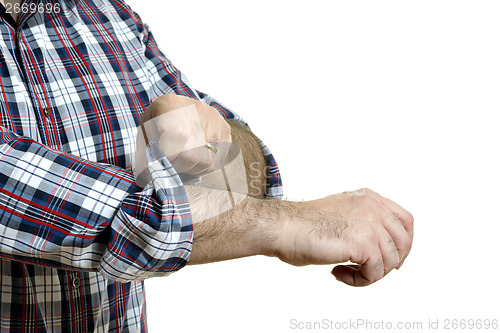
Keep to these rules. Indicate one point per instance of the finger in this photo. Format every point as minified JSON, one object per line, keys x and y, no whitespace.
{"x":363,"y":274}
{"x":205,"y":163}
{"x":405,"y":217}
{"x":198,"y":161}
{"x":407,"y":222}
{"x":223,"y":145}
{"x":185,"y":161}
{"x":380,"y":215}
{"x":404,"y":257}
{"x":217,"y":160}
{"x":398,"y":234}
{"x":202,"y":160}
{"x":345,"y":273}
{"x":390,"y":254}
{"x":213,"y":134}
{"x":218,"y":134}
{"x":190,"y":154}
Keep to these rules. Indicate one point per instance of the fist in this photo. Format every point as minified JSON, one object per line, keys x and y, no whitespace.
{"x":372,"y":232}
{"x":192,"y":135}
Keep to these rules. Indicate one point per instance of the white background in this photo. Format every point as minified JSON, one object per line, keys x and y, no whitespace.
{"x":398,"y":96}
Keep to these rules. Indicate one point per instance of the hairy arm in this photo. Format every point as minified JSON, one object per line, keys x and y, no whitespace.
{"x":370,"y":231}
{"x":245,"y":230}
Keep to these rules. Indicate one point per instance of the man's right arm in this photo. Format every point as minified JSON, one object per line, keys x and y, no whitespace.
{"x":361,"y":226}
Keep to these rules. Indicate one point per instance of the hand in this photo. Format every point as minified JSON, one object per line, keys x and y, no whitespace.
{"x":184,"y":126}
{"x":363,"y":227}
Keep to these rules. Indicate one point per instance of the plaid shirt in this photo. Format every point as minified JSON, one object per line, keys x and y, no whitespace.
{"x":77,"y":235}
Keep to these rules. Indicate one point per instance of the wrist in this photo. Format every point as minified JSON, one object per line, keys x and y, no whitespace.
{"x":275,"y":222}
{"x":252,"y":227}
{"x":266,"y":223}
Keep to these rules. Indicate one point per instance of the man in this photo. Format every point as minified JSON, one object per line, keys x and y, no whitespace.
{"x":78,"y":235}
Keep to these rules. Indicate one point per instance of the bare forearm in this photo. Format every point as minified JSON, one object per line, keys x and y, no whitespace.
{"x":361,"y":227}
{"x":250,"y":228}
{"x":331,"y":230}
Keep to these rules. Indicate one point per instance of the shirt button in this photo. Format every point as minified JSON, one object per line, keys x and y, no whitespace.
{"x":46,"y":111}
{"x":76,"y":282}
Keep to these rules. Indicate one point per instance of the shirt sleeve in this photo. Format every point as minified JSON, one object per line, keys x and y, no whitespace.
{"x":62,"y":211}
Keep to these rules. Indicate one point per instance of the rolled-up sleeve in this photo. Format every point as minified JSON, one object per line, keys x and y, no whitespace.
{"x":62,"y":211}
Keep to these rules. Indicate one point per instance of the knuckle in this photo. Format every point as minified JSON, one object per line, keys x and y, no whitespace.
{"x":180,"y":132}
{"x":411,"y":219}
{"x":367,"y":200}
{"x":347,"y":193}
{"x":364,"y":190}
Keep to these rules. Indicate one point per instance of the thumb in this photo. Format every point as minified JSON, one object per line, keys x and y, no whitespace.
{"x":350,"y":275}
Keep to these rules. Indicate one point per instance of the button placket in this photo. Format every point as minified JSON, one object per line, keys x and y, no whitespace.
{"x":76,"y":289}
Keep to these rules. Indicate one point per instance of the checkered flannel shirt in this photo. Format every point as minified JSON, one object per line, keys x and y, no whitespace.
{"x":77,"y":235}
